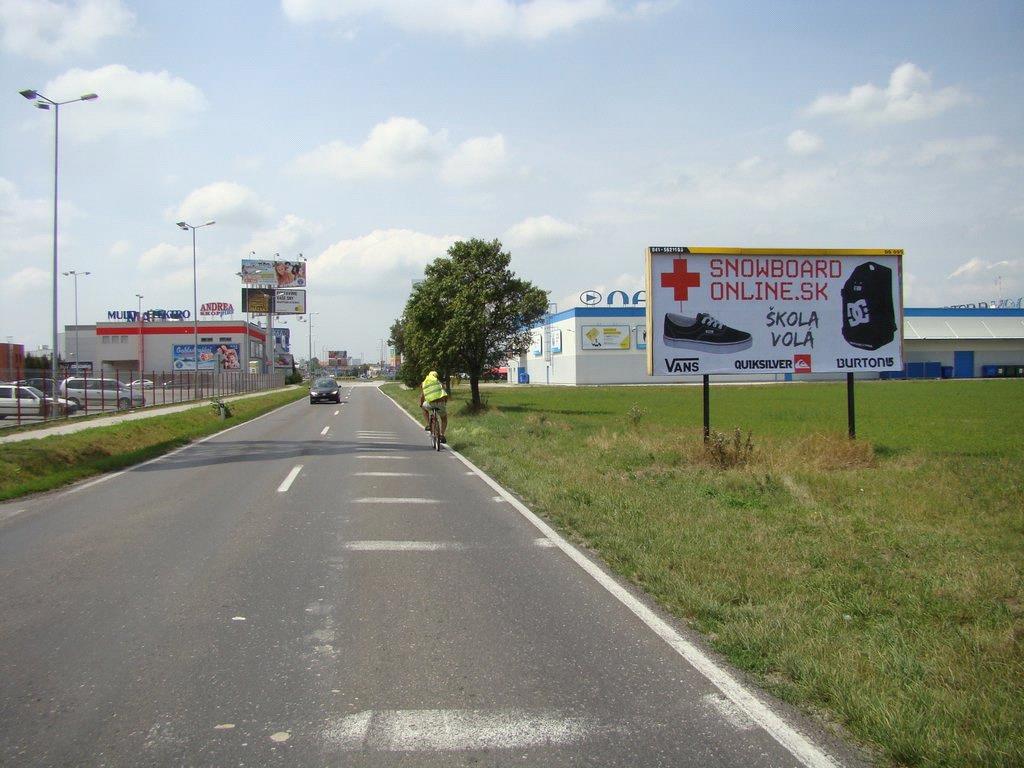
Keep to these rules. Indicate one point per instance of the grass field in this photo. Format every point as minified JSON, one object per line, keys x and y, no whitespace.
{"x":50,"y":462}
{"x":878,"y":583}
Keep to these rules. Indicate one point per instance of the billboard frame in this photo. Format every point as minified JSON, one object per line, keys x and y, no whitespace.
{"x":728,"y":251}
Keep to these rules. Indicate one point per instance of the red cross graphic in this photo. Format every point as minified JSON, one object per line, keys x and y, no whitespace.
{"x":680,"y":279}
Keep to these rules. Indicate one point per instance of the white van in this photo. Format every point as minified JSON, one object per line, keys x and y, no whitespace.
{"x":100,"y":393}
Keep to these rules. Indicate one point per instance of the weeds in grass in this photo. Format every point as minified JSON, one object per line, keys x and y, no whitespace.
{"x":635,"y":414}
{"x":727,"y":452}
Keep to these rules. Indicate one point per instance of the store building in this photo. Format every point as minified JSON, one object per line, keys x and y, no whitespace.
{"x":608,"y":345}
{"x":163,"y":346}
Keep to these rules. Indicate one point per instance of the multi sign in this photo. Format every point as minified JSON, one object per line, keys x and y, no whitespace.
{"x":743,"y":310}
{"x":132,"y":316}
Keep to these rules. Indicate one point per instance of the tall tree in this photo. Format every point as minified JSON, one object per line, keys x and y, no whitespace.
{"x":470,"y":314}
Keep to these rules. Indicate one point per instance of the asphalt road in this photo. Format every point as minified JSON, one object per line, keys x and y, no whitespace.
{"x":381,"y":605}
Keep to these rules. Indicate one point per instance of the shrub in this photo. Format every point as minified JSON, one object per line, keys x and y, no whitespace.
{"x":726,"y":452}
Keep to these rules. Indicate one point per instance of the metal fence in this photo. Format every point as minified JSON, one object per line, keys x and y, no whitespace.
{"x":32,"y":399}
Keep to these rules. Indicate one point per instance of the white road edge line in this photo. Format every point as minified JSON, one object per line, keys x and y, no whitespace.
{"x":324,"y":430}
{"x":389,"y":474}
{"x":287,"y":482}
{"x":104,"y":478}
{"x":792,"y":740}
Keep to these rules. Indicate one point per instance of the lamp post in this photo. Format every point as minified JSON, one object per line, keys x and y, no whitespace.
{"x":310,"y":316}
{"x":142,"y":357}
{"x":195,"y":294}
{"x":78,"y":359}
{"x":42,"y":102}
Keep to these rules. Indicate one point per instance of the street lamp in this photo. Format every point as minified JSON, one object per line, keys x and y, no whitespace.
{"x":195,"y":293}
{"x":142,"y":360}
{"x":42,"y":102}
{"x":310,"y":321}
{"x":78,"y":359}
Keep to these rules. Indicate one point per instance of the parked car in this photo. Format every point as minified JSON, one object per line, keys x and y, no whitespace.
{"x":28,"y":401}
{"x":100,"y":392}
{"x":140,"y":384}
{"x":44,"y":385}
{"x":324,"y":388}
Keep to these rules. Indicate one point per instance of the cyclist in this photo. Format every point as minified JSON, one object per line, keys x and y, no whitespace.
{"x":434,"y":398}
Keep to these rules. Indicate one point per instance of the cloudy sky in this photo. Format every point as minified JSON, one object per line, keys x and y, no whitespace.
{"x":370,"y":134}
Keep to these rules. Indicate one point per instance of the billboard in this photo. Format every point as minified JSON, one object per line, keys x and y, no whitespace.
{"x":257,"y":301}
{"x":283,"y":360}
{"x":229,"y":356}
{"x":761,"y":310}
{"x":604,"y":337}
{"x":537,"y":345}
{"x":290,"y":302}
{"x":282,"y":340}
{"x":556,"y":342}
{"x":640,"y":336}
{"x":281,"y":274}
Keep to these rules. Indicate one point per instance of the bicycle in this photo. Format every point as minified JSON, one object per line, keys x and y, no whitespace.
{"x":435,"y":429}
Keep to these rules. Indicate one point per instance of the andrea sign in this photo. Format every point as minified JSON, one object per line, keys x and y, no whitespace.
{"x":741,"y":310}
{"x":217,"y":308}
{"x":132,"y":316}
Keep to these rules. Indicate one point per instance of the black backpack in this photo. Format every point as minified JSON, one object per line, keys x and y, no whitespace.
{"x":869,"y":318}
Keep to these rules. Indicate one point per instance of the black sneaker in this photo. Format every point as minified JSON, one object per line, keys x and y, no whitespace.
{"x":443,"y":439}
{"x":703,"y":333}
{"x":426,"y":428}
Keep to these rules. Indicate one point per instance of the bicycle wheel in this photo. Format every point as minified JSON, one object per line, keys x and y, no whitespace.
{"x":435,"y":432}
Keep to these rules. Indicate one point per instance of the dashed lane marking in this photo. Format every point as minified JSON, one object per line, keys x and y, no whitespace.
{"x":402,"y":546}
{"x":287,"y":483}
{"x":389,"y":474}
{"x":454,"y":730}
{"x":394,"y":500}
{"x":337,"y":412}
{"x":324,"y":430}
{"x":389,"y":458}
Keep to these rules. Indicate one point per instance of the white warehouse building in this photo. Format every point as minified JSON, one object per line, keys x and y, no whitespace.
{"x":608,"y":345}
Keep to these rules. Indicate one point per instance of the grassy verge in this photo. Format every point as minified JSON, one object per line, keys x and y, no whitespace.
{"x":878,"y":583}
{"x":50,"y":462}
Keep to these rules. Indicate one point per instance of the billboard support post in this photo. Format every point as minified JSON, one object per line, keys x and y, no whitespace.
{"x":707,"y":407}
{"x":851,"y":415}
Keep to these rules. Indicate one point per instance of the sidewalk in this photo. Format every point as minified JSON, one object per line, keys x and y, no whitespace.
{"x":146,"y":413}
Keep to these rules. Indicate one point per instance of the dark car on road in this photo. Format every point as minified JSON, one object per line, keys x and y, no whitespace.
{"x":324,"y":389}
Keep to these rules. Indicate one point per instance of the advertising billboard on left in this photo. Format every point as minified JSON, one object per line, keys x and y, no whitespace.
{"x":229,"y":357}
{"x":257,"y":301}
{"x":280,"y":274}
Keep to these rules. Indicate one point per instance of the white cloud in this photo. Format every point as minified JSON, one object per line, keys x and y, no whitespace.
{"x":976,"y":266}
{"x":471,"y":19}
{"x":403,"y":146}
{"x":909,"y":96}
{"x":26,"y":226}
{"x":165,"y":258}
{"x":476,"y":161}
{"x":290,"y":236}
{"x":801,"y":142}
{"x":396,"y":147}
{"x":387,"y":260}
{"x":130,"y":102}
{"x":120,"y":248}
{"x":539,"y":231}
{"x":965,"y":153}
{"x":226,"y":203}
{"x":49,"y":31}
{"x":29,"y":277}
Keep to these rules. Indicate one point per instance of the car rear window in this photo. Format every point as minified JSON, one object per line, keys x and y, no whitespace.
{"x":326,"y":383}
